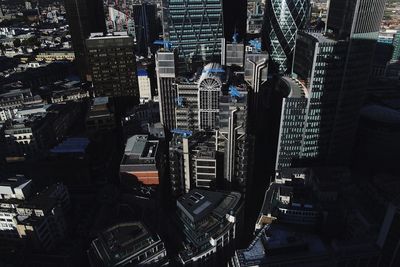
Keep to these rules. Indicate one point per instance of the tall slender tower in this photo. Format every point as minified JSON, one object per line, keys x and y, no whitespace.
{"x":166,"y":79}
{"x":195,"y":28}
{"x":84,"y":17}
{"x":283,"y":18}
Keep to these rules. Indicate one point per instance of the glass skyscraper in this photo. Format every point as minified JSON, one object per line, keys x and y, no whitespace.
{"x":195,"y":28}
{"x":333,"y":70}
{"x":283,"y":18}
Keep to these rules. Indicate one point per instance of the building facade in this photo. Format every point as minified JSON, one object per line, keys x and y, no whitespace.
{"x":166,"y":74}
{"x":113,"y":65}
{"x":195,"y":29}
{"x":84,"y":17}
{"x":283,"y":18}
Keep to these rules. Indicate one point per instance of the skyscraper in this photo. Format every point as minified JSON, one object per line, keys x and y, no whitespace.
{"x":283,"y":18}
{"x":195,"y":28}
{"x":113,"y":65}
{"x":84,"y":17}
{"x":166,"y":75}
{"x":144,"y":16}
{"x":332,"y":70}
{"x":366,"y":17}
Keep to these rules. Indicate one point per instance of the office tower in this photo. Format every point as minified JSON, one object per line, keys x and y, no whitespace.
{"x":255,"y":72}
{"x":198,"y":100}
{"x":187,"y":108}
{"x":144,"y":17}
{"x":195,"y":29}
{"x":234,"y":140}
{"x":210,"y":85}
{"x":283,"y":18}
{"x":210,"y":222}
{"x":335,"y":73}
{"x":293,"y":119}
{"x":113,"y":65}
{"x":193,"y":162}
{"x":166,"y":74}
{"x":366,"y":20}
{"x":356,"y":19}
{"x":84,"y":17}
{"x":310,"y":106}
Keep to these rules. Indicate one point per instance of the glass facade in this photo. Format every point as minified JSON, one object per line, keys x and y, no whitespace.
{"x":282,"y":20}
{"x":195,"y":28}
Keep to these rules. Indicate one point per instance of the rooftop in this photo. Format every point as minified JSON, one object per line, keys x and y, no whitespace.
{"x":297,"y":89}
{"x":120,"y":242}
{"x":71,"y":145}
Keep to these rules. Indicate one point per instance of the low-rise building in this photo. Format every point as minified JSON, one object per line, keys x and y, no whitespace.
{"x":38,"y":218}
{"x":141,"y":159}
{"x":127,"y":244}
{"x":211,"y":222}
{"x":100,"y":116}
{"x":50,"y":56}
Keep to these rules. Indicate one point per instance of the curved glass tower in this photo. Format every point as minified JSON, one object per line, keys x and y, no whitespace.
{"x":282,"y":20}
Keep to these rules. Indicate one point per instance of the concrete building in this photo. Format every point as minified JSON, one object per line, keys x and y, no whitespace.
{"x":166,"y":74}
{"x":127,"y":244}
{"x":144,"y":86}
{"x":37,"y":219}
{"x":142,"y":159}
{"x":234,"y":139}
{"x":255,"y":72}
{"x":113,"y":64}
{"x":100,"y":116}
{"x":193,"y":161}
{"x":50,"y":56}
{"x":210,"y":222}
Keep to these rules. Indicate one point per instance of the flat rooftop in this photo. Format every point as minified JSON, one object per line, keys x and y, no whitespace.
{"x":120,"y":242}
{"x":140,"y":149}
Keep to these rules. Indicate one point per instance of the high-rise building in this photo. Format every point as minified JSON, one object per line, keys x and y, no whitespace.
{"x":319,"y":126}
{"x":234,"y":140}
{"x":283,"y":18}
{"x":84,"y":17}
{"x":192,"y":161}
{"x":166,"y":75}
{"x":144,"y":17}
{"x":366,"y":17}
{"x":113,"y":65}
{"x":255,"y":72}
{"x":195,"y":28}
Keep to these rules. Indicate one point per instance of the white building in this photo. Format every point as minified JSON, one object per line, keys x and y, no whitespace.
{"x":144,"y":86}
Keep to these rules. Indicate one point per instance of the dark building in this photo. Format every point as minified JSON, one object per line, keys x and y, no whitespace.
{"x":334,"y":68}
{"x":113,"y":65}
{"x":144,"y":16}
{"x":127,"y":244}
{"x":283,"y":18}
{"x":84,"y":17}
{"x":210,"y":222}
